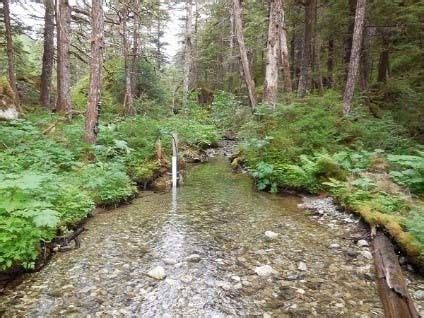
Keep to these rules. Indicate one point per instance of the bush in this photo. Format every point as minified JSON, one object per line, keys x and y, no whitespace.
{"x":409,"y":171}
{"x":107,"y":183}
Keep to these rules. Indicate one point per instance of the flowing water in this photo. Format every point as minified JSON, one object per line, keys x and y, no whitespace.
{"x":219,"y":217}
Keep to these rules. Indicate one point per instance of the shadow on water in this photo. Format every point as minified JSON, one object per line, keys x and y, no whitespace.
{"x":209,"y":238}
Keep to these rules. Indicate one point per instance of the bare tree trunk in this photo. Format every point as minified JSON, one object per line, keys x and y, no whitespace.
{"x":317,"y":58}
{"x":10,"y":51}
{"x":48,"y":55}
{"x":297,"y":53}
{"x":135,"y":48}
{"x":188,"y":50}
{"x":94,"y":92}
{"x":305,"y":80}
{"x":384,"y":63}
{"x":63,"y":16}
{"x":129,"y":97}
{"x":330,"y":62}
{"x":285,"y":57}
{"x":354,"y":56}
{"x":238,"y":25}
{"x":365,"y":62}
{"x":348,"y":39}
{"x":271,"y":72}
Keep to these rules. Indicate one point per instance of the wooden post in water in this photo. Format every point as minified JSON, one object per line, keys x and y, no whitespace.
{"x":174,"y":160}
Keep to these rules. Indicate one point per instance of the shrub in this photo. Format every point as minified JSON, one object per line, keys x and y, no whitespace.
{"x":409,"y":171}
{"x":107,"y":183}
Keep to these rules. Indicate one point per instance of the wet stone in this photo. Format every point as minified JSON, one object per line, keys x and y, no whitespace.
{"x":264,"y":270}
{"x":157,"y":273}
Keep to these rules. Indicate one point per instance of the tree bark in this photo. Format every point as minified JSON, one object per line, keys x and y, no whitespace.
{"x":285,"y":56}
{"x":365,"y":62}
{"x":238,"y":26}
{"x":305,"y":79}
{"x":271,"y":71}
{"x":96,"y":63}
{"x":63,"y":16}
{"x":48,"y":55}
{"x":348,"y":39}
{"x":330,"y":62}
{"x":129,"y":96}
{"x":10,"y":51}
{"x":188,"y":51}
{"x":354,"y":56}
{"x":397,"y":302}
{"x":384,"y":63}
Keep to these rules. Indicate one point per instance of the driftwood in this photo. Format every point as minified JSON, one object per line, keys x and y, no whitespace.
{"x":61,"y":242}
{"x":397,"y":302}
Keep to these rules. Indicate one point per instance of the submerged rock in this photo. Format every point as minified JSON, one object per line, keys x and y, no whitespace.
{"x":419,"y":294}
{"x":362,"y":243}
{"x":302,"y":266}
{"x":367,"y":254}
{"x":271,"y":235}
{"x":194,"y":258}
{"x":265,"y":270}
{"x":170,"y":261}
{"x":157,"y":273}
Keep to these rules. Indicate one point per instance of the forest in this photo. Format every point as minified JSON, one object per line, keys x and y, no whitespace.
{"x":317,"y":98}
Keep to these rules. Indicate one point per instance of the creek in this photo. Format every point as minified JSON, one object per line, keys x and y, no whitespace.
{"x":210,"y":240}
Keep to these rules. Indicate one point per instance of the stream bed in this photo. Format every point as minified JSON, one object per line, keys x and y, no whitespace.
{"x":217,"y":248}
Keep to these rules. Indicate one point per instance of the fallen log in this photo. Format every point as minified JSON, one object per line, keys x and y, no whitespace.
{"x":397,"y":302}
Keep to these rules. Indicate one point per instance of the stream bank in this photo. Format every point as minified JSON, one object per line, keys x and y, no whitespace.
{"x":224,"y":249}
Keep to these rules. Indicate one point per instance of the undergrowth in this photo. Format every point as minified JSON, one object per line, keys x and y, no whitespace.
{"x":369,"y":164}
{"x":50,"y":179}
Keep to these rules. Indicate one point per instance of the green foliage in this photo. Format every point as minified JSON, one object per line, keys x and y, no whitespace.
{"x":409,"y":171}
{"x":415,"y":223}
{"x":264,"y":174}
{"x":147,"y":84}
{"x":227,"y":113}
{"x":190,"y":132}
{"x":107,"y":183}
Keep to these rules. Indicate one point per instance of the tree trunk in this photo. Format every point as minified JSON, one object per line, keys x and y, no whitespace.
{"x":48,"y":55}
{"x":95,"y":85}
{"x":397,"y":302}
{"x":305,"y":79}
{"x":348,"y":39}
{"x":10,"y":51}
{"x":188,"y":50}
{"x":354,"y":56}
{"x":330,"y":62}
{"x":285,"y":57}
{"x":365,"y":61}
{"x":63,"y":16}
{"x":238,"y":26}
{"x":384,"y":63}
{"x":135,"y":48}
{"x":129,"y":96}
{"x":271,"y":72}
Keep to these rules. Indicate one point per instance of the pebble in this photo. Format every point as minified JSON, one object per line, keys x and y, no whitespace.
{"x":271,"y":235}
{"x":170,"y":261}
{"x":157,"y":273}
{"x":367,"y":255}
{"x":362,"y":243}
{"x":419,"y":294}
{"x":302,"y":266}
{"x":334,"y":246}
{"x":194,"y":258}
{"x":264,"y":270}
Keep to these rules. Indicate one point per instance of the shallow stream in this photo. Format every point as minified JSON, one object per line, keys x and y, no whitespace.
{"x":209,"y":237}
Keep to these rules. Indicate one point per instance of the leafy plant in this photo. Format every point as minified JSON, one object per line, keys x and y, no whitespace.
{"x":409,"y":171}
